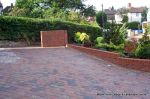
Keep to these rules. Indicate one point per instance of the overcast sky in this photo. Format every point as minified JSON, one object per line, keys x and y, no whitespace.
{"x":7,"y":2}
{"x":118,"y":3}
{"x":106,"y":3}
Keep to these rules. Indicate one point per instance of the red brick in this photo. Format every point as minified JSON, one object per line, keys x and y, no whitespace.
{"x":137,"y":64}
{"x":53,"y":38}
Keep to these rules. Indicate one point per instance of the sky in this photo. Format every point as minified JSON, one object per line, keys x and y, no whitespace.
{"x":7,"y":2}
{"x":106,"y":3}
{"x":117,"y":3}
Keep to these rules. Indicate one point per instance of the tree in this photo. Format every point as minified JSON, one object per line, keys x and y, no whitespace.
{"x":89,"y":11}
{"x":28,"y":8}
{"x":144,"y":14}
{"x":122,"y":10}
{"x":125,"y":19}
{"x":19,"y":12}
{"x":101,"y":18}
{"x":69,"y":10}
{"x":49,"y":8}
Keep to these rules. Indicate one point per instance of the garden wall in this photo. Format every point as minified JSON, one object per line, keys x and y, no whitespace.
{"x":137,"y":64}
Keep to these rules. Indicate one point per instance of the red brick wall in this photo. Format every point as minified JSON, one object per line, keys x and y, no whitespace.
{"x":98,"y":53}
{"x":137,"y":64}
{"x":53,"y":38}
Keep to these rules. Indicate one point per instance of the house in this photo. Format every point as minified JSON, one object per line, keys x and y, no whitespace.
{"x":1,"y":8}
{"x":121,"y":12}
{"x":110,"y":14}
{"x":135,"y":13}
{"x":118,"y":18}
{"x":8,"y":9}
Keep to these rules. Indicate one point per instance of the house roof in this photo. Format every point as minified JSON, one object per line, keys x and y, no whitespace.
{"x":136,"y":10}
{"x":110,"y":14}
{"x":1,"y":5}
{"x":7,"y":9}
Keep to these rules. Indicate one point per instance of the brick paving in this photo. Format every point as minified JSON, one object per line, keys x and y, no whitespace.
{"x":64,"y":73}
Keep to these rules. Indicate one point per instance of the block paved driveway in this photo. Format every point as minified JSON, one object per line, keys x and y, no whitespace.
{"x":64,"y":73}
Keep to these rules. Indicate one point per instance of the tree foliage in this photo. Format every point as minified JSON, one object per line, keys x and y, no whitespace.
{"x":61,"y":9}
{"x":101,"y":18}
{"x":115,"y":34}
{"x":122,"y":10}
{"x":89,"y":11}
{"x":144,"y":14}
{"x":125,"y":19}
{"x":61,"y":4}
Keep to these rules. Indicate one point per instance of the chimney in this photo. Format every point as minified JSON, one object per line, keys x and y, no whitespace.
{"x":11,"y":5}
{"x":129,"y":5}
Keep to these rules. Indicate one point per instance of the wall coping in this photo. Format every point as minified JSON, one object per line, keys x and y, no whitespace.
{"x":136,"y":59}
{"x":94,"y":49}
{"x":53,"y":30}
{"x":130,"y":63}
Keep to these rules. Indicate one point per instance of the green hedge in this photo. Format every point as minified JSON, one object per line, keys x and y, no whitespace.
{"x":17,"y":28}
{"x":134,"y":25}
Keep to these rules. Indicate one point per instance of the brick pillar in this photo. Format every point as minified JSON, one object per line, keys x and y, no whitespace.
{"x":54,"y":38}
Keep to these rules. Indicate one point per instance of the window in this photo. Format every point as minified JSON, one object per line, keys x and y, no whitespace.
{"x":137,"y":14}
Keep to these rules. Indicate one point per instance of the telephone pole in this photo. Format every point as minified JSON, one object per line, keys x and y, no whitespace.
{"x":102,"y":17}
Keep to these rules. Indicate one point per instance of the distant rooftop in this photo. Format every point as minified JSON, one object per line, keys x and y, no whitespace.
{"x":136,"y":10}
{"x":110,"y":13}
{"x":1,"y":5}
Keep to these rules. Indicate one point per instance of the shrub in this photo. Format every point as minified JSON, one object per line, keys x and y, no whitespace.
{"x":82,"y":38}
{"x":99,"y":40}
{"x":130,"y":46}
{"x":119,"y":35}
{"x":17,"y":28}
{"x":77,"y":37}
{"x":148,"y":29}
{"x":134,"y":25}
{"x":143,"y":51}
{"x":115,"y":34}
{"x":110,"y":47}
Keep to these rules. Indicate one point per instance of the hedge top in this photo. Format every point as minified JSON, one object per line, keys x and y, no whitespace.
{"x":13,"y":28}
